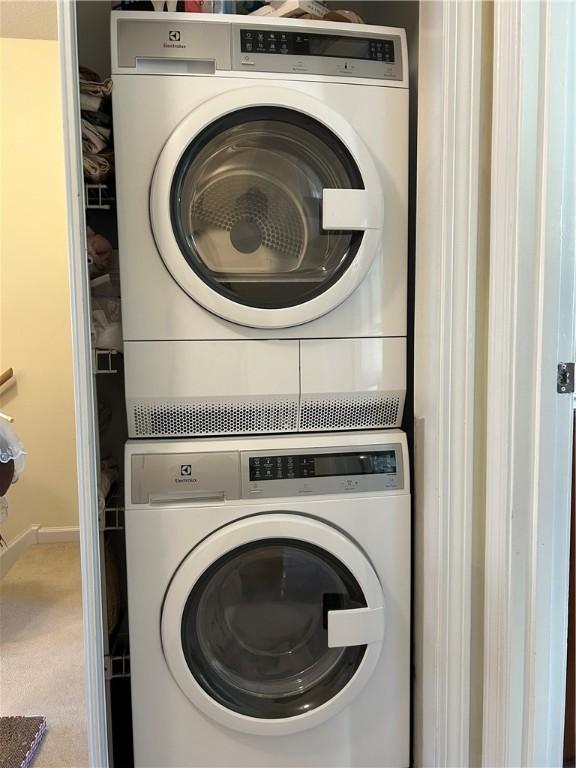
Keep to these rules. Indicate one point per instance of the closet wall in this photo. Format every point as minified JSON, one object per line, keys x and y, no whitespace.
{"x":35,"y":336}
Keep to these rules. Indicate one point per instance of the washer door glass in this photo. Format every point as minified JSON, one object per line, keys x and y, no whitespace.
{"x":246,"y":207}
{"x":254,"y":628}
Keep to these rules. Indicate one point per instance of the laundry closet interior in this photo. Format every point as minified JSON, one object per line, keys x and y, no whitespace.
{"x":264,"y":365}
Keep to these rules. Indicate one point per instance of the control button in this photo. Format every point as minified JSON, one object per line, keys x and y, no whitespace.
{"x":272,"y":48}
{"x":247,"y":61}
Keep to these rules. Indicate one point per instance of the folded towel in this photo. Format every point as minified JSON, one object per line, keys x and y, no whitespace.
{"x":94,"y":139}
{"x":106,"y":326}
{"x":90,"y":103}
{"x":97,"y":118}
{"x":98,"y":167}
{"x":91,"y":84}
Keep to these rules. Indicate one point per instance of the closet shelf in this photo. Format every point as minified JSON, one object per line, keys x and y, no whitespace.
{"x":106,"y":360}
{"x":117,"y":663}
{"x":98,"y":197}
{"x":113,"y":516}
{"x":106,"y":286}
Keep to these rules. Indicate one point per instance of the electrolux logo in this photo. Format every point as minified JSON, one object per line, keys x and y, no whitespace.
{"x":174,"y":38}
{"x":185,"y":474}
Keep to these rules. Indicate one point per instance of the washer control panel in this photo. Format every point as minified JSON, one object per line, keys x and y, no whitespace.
{"x":323,"y":471}
{"x":165,"y":479}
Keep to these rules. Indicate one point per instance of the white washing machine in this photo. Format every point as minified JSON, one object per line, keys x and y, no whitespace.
{"x":269,"y":601}
{"x":261,"y":170}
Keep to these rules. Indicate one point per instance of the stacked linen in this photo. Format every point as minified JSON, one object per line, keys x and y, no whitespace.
{"x":99,"y":251}
{"x":96,"y":126}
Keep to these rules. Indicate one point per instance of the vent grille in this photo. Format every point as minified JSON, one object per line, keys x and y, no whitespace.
{"x":188,"y":418}
{"x":316,"y":413}
{"x":353,"y":411}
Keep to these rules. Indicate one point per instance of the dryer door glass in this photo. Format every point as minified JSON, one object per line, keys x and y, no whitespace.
{"x":254,"y":628}
{"x":246,"y":207}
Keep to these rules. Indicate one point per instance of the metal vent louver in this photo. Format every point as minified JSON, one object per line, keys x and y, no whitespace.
{"x":315,"y":413}
{"x":188,"y":418}
{"x":350,"y":411}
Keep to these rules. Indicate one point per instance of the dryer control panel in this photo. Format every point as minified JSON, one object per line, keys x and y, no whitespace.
{"x":317,"y":53}
{"x":183,"y":44}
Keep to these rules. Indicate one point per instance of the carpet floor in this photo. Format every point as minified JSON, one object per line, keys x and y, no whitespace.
{"x":42,"y":653}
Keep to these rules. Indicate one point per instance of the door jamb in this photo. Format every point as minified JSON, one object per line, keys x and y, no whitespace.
{"x":532,"y":328}
{"x":449,"y":191}
{"x":84,"y":394}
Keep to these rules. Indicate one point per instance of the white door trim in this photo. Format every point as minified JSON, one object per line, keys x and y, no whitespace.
{"x":531,"y":328}
{"x":449,"y":113}
{"x":86,"y":432}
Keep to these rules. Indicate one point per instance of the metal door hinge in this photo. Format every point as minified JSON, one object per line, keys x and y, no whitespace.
{"x":565,"y":380}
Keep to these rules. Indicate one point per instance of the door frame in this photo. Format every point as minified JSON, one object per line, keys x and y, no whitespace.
{"x":449,"y":428}
{"x":84,"y":394}
{"x":448,"y":423}
{"x":532,"y":327}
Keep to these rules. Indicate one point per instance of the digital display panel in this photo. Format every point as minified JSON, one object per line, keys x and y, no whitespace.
{"x":343,"y":47}
{"x":322,"y":465}
{"x":308,"y":44}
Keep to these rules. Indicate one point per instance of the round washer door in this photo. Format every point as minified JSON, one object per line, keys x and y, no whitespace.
{"x":273,"y":624}
{"x":266,"y":207}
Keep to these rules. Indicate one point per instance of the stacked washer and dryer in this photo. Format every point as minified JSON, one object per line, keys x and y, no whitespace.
{"x":261,"y":172}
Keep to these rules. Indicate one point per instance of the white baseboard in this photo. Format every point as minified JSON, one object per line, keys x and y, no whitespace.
{"x":17,"y":547}
{"x":58,"y":534}
{"x":35,"y":534}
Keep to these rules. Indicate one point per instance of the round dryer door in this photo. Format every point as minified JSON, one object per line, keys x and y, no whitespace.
{"x":273,"y":624}
{"x":269,"y":215}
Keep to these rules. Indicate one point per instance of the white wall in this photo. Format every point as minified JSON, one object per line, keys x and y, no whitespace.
{"x":35,"y":335}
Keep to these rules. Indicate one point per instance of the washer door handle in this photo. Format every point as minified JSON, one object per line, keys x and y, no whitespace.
{"x":357,"y":626}
{"x":352,"y":209}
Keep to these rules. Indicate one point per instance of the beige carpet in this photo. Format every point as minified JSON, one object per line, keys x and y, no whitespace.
{"x":41,"y":653}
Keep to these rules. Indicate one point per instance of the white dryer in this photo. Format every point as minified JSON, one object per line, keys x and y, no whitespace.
{"x":261,"y":170}
{"x":269,"y":601}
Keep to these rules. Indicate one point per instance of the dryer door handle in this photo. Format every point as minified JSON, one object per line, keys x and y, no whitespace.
{"x":352,"y":209}
{"x":357,"y":626}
